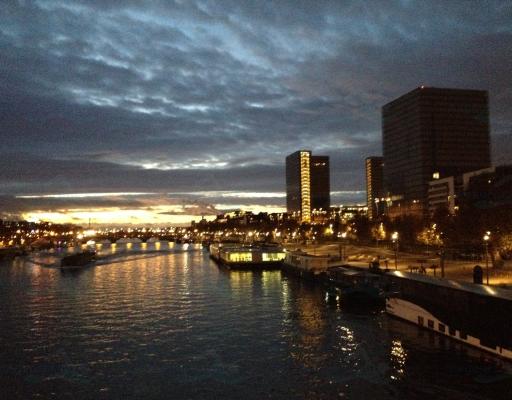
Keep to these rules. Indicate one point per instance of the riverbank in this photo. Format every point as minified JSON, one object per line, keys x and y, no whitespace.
{"x":361,"y":256}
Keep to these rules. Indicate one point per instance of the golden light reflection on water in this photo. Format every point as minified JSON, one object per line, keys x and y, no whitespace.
{"x":270,"y":280}
{"x":398,"y":359}
{"x":347,"y":342}
{"x":311,"y":333}
{"x":240,"y":279}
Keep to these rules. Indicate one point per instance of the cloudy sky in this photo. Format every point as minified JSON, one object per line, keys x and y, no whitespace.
{"x":181,"y":108}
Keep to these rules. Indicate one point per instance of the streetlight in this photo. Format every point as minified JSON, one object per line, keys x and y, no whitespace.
{"x":487,"y":236}
{"x":342,"y":246}
{"x":394,"y":237}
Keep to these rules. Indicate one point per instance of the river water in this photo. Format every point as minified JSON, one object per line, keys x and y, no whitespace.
{"x":175,"y":326}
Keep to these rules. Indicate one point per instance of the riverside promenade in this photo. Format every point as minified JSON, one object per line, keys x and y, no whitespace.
{"x":361,"y":256}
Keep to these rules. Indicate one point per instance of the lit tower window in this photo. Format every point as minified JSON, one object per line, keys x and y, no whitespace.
{"x":305,"y":186}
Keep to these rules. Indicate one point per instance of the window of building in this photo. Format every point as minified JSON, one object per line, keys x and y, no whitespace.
{"x":442,"y":328}
{"x":431,"y":324}
{"x":452,"y":331}
{"x":420,"y":321}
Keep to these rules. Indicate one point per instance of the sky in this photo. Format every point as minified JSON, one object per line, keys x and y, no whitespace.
{"x":163,"y":111}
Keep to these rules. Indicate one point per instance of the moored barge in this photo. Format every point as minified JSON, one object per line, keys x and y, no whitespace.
{"x":478,"y":315}
{"x":240,"y":256}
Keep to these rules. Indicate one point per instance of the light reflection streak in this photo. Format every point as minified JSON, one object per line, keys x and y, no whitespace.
{"x":398,"y":359}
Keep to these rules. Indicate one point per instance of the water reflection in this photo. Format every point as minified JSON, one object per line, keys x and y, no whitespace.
{"x":398,"y":359}
{"x":178,"y":325}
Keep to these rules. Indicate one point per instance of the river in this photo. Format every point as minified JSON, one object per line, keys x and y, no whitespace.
{"x":175,"y":326}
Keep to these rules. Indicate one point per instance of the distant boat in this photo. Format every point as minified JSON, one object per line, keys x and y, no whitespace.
{"x":78,"y":260}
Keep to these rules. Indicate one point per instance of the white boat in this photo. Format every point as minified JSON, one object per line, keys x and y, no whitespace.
{"x":477,"y":315}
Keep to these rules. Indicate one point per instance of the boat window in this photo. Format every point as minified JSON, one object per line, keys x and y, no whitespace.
{"x":421,"y":321}
{"x":272,"y":256}
{"x":237,"y":257}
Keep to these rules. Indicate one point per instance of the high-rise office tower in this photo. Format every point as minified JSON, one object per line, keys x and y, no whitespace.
{"x":320,"y":183}
{"x":374,"y":185}
{"x":307,"y":183}
{"x":432,"y":133}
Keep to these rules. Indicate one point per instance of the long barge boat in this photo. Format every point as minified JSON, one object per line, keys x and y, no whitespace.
{"x":478,"y":315}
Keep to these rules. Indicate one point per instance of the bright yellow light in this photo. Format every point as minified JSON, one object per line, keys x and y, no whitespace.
{"x":273,"y":256}
{"x":305,"y":186}
{"x":161,"y":214}
{"x":238,"y":257}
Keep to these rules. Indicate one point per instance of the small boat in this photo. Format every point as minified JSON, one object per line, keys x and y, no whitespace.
{"x":78,"y":260}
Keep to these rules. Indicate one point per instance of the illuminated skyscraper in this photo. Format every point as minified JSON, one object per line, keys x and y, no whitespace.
{"x":374,"y":185}
{"x":432,"y":132}
{"x":307,"y":183}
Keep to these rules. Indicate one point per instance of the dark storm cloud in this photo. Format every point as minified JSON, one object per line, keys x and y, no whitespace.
{"x":44,"y":175}
{"x":212,"y":95}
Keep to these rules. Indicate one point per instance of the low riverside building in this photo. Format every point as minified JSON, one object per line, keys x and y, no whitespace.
{"x":483,"y":188}
{"x":441,"y":193}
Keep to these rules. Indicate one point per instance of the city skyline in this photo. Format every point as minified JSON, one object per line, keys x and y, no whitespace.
{"x":184,"y":108}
